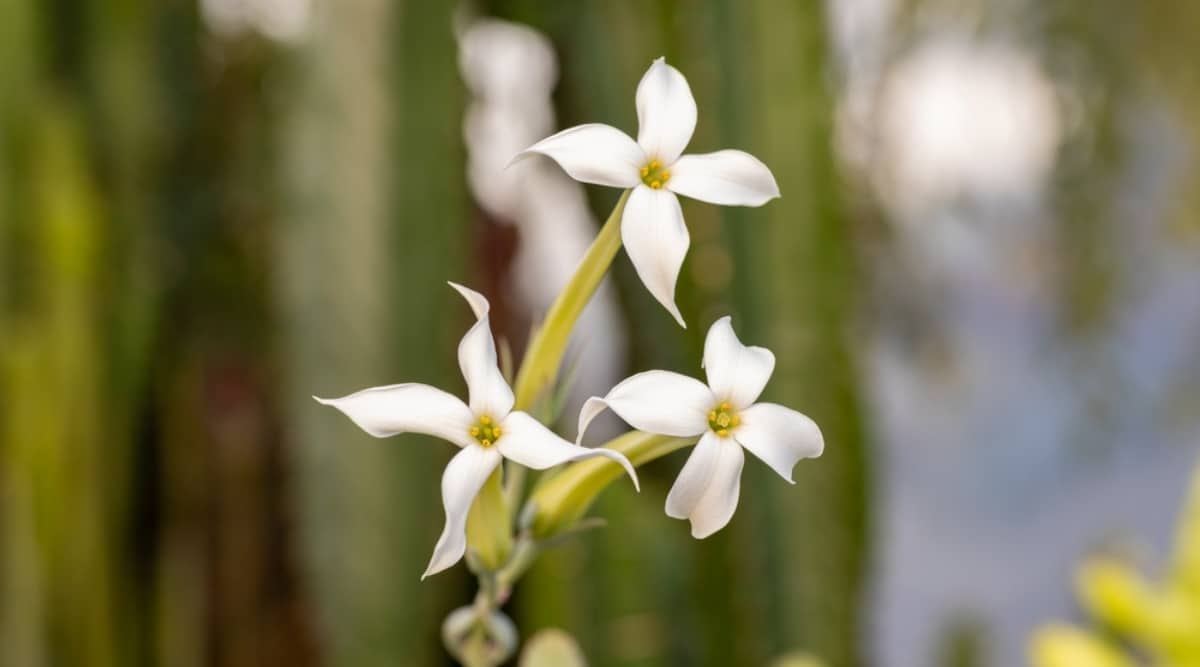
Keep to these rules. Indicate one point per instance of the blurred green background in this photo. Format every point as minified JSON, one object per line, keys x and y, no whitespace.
{"x":211,"y":210}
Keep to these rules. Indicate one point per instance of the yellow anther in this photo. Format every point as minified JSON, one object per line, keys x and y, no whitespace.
{"x":496,"y":432}
{"x":666,"y":174}
{"x":485,"y":442}
{"x":485,"y":420}
{"x":722,"y":419}
{"x":474,"y":431}
{"x":655,"y":184}
{"x":645,"y":171}
{"x":654,"y":164}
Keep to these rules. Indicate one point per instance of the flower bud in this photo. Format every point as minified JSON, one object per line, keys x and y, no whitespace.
{"x":479,"y":641}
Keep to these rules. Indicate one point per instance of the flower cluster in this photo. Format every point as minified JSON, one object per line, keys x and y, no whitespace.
{"x":723,"y":416}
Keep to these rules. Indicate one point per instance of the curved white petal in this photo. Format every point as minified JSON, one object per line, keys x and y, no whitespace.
{"x":706,"y":491}
{"x":478,"y":302}
{"x":656,"y":241}
{"x":406,"y":408}
{"x":593,"y":153}
{"x":779,"y":436}
{"x":666,"y":112}
{"x":489,"y":393}
{"x":659,"y":402}
{"x":464,"y":476}
{"x":528,"y":442}
{"x":736,"y":372}
{"x":729,"y":178}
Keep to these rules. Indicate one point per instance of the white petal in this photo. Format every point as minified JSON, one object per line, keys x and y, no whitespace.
{"x":489,"y":392}
{"x":593,"y":153}
{"x":478,"y":302}
{"x":729,"y":178}
{"x":666,"y":112}
{"x":779,"y":436}
{"x":656,"y":241}
{"x":528,"y":442}
{"x":464,"y":476}
{"x":706,"y":491}
{"x":407,"y":408}
{"x":736,"y":373}
{"x":656,"y":402}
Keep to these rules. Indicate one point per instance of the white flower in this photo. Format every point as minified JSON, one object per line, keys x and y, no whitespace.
{"x":725,"y":416}
{"x":487,"y":429}
{"x":652,"y":226}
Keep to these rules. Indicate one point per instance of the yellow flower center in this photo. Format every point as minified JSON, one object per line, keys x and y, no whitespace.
{"x":722,"y":418}
{"x":485,"y":431}
{"x":655,"y":174}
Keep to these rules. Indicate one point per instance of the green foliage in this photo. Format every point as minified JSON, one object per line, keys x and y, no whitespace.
{"x":1159,"y":619}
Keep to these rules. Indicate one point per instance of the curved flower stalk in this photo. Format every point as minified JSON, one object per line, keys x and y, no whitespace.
{"x":486,"y":428}
{"x":652,"y":227}
{"x":726,"y":418}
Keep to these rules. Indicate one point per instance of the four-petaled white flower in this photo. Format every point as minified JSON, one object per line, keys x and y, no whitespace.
{"x":652,"y":227}
{"x":487,"y":429}
{"x":725,"y":416}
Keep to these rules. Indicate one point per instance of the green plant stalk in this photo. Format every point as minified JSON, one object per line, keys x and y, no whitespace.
{"x":489,"y":522}
{"x":544,"y":355}
{"x":489,"y":531}
{"x":563,"y":500}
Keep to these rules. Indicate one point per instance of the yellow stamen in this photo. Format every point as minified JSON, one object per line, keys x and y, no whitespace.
{"x":485,"y":420}
{"x":474,"y":431}
{"x":654,"y":175}
{"x":487,"y":443}
{"x":496,"y":432}
{"x":721,"y":419}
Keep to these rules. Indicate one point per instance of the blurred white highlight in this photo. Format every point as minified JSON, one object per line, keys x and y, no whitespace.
{"x":280,"y":20}
{"x":957,"y":119}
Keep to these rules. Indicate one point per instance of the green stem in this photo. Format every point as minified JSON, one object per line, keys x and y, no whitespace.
{"x":489,"y":534}
{"x":545,"y":352}
{"x":564,"y":499}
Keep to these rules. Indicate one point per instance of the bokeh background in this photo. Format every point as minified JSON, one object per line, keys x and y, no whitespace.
{"x":982,"y":280}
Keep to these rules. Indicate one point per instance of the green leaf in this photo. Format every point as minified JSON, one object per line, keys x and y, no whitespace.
{"x":561,"y":501}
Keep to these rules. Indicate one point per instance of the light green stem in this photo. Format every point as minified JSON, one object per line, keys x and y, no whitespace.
{"x":544,"y":355}
{"x":489,"y":533}
{"x":563,"y":500}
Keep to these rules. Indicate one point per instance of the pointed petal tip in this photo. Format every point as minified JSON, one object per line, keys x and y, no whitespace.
{"x":624,"y":463}
{"x":700,"y":535}
{"x":520,"y":157}
{"x":674,"y":515}
{"x":678,"y":317}
{"x":323,"y":401}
